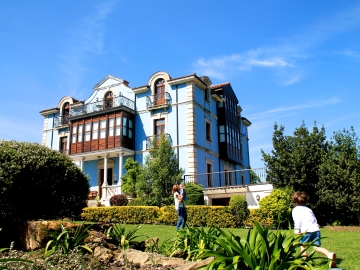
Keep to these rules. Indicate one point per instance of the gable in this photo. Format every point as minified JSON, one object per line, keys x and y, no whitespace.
{"x":108,"y":81}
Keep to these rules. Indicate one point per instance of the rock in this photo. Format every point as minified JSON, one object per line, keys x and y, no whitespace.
{"x":136,"y":256}
{"x":195,"y":265}
{"x":103,"y":254}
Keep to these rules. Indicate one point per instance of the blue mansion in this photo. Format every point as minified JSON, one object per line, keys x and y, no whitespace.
{"x":202,"y":121}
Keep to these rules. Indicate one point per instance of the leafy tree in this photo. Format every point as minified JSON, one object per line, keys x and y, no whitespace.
{"x":254,"y":178}
{"x":161,"y":172}
{"x":38,"y":183}
{"x":338,"y":188}
{"x":194,"y":194}
{"x":295,"y":160}
{"x":134,"y":175}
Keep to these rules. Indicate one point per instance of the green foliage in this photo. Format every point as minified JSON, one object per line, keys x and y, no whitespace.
{"x":328,"y":171}
{"x":339,"y":180}
{"x":262,"y":249}
{"x":118,"y":200}
{"x":65,"y":241}
{"x":190,"y":242}
{"x":38,"y":183}
{"x":123,"y":238}
{"x":194,"y":194}
{"x":296,"y":159}
{"x":276,"y":207}
{"x":162,"y":171}
{"x":137,"y":202}
{"x":239,"y":208}
{"x":219,"y":216}
{"x":254,"y":178}
{"x":125,"y":214}
{"x":134,"y":176}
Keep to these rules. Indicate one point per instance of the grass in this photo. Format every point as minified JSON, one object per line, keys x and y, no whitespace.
{"x":344,"y":243}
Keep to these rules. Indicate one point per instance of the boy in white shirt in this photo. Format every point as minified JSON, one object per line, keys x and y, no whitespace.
{"x":305,"y":222}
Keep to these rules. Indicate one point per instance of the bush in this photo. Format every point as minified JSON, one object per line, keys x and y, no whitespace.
{"x":38,"y":183}
{"x":218,"y":216}
{"x":239,"y":208}
{"x":124,"y":214}
{"x":194,"y":194}
{"x":118,"y":200}
{"x":276,"y":206}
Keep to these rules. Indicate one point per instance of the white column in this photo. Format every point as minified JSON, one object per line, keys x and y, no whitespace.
{"x":105,"y":184}
{"x":82,"y":163}
{"x":121,"y":155}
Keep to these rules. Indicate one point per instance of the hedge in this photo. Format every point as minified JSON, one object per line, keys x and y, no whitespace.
{"x":125,"y":214}
{"x":218,"y":216}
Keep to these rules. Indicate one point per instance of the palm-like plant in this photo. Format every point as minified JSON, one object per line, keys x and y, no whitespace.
{"x":124,"y":239}
{"x":262,"y":249}
{"x":191,"y":242}
{"x":65,"y":241}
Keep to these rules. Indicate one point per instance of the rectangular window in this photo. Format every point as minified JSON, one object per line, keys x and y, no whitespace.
{"x":159,"y":127}
{"x":111,"y":127}
{"x":208,"y":131}
{"x":87,"y":131}
{"x":73,"y":139}
{"x":102,"y":129}
{"x":117,"y":125}
{"x":222,"y":133}
{"x":80,"y":130}
{"x":209,"y":174}
{"x":125,"y":126}
{"x":206,"y":93}
{"x":95,"y":129}
{"x":130,"y":129}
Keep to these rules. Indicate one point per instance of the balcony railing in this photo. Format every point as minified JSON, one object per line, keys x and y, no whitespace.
{"x":228,"y":178}
{"x":150,"y":139}
{"x":61,"y":121}
{"x":161,"y":99}
{"x":101,"y":105}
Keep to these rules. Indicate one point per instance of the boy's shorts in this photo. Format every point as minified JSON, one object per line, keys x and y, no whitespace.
{"x":311,"y":236}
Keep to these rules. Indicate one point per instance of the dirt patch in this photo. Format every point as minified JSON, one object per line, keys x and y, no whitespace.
{"x":343,"y":228}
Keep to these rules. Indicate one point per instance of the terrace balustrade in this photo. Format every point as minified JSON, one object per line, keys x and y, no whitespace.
{"x":101,"y":105}
{"x":228,"y":178}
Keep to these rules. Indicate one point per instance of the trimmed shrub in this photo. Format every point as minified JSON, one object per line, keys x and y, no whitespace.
{"x":239,"y":207}
{"x":217,"y":216}
{"x":124,"y":214}
{"x":194,"y":194}
{"x":118,"y":200}
{"x":38,"y":183}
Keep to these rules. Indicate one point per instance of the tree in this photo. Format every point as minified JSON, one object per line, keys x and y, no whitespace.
{"x":134,"y":175}
{"x":338,"y":188}
{"x":161,"y":172}
{"x":295,"y":160}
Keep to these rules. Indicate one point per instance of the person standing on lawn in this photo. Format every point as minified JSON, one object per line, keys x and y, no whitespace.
{"x":177,"y":202}
{"x":182,"y":206}
{"x":305,"y":223}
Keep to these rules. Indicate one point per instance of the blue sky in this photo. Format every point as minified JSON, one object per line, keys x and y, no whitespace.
{"x":288,"y":61}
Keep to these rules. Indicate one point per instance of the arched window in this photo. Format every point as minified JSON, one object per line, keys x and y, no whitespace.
{"x":65,"y":113}
{"x":159,"y":92}
{"x":108,"y":101}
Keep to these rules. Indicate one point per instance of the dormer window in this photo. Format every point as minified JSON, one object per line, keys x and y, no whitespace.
{"x":160,"y":92}
{"x":108,"y":100}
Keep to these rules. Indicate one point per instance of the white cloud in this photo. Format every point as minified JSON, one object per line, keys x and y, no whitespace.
{"x":351,"y":53}
{"x":85,"y":40}
{"x":312,"y":104}
{"x":285,"y":58}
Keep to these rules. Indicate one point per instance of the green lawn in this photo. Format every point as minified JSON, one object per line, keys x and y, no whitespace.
{"x":346,"y":244}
